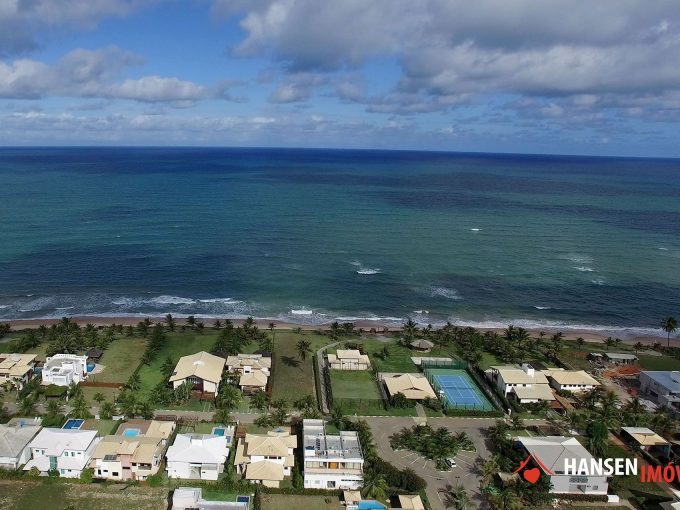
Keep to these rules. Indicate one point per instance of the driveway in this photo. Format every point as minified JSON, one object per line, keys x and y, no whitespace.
{"x":464,"y":474}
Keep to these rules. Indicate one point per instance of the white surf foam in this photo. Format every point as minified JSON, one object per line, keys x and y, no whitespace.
{"x":172,"y":300}
{"x":543,"y":307}
{"x":662,"y":249}
{"x":446,"y":292}
{"x":598,"y":281}
{"x":368,"y":270}
{"x":302,"y":311}
{"x":584,"y":269}
{"x":227,"y":300}
{"x":476,"y":229}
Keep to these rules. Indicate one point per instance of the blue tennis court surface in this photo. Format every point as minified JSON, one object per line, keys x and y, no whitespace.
{"x":457,"y":389}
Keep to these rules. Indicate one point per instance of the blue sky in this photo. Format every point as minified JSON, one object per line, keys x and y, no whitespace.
{"x":566,"y":76}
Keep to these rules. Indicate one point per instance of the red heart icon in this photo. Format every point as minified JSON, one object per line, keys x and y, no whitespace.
{"x":531,"y":475}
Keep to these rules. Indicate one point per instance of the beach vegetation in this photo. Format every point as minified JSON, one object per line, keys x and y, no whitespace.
{"x":669,"y":325}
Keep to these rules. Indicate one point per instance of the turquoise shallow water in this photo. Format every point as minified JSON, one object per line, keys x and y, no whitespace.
{"x":314,"y":235}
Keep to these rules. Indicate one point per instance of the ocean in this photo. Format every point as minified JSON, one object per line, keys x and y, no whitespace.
{"x":311,"y":236}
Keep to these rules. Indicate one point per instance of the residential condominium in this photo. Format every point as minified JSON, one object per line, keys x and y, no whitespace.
{"x":135,"y":452}
{"x":266,"y":458}
{"x":348,"y":359}
{"x":253,"y":370}
{"x":64,"y":369}
{"x":66,"y":451}
{"x":199,"y":456}
{"x":202,"y":370}
{"x":16,"y":369}
{"x":14,"y":441}
{"x":332,"y":461}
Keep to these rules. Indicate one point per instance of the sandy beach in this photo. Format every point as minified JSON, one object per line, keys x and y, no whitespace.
{"x":570,"y":334}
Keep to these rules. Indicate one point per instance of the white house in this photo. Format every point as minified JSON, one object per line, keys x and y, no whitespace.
{"x":64,"y":369}
{"x":203,"y":370}
{"x":348,"y":359}
{"x":332,"y":461}
{"x":14,"y":441}
{"x":67,"y":451}
{"x":198,"y":456}
{"x":548,"y":453}
{"x":16,"y":368}
{"x":663,"y":386}
{"x":266,"y":458}
{"x":522,"y":383}
{"x":576,"y":381}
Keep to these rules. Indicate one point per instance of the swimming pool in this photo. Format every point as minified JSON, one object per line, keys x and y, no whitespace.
{"x":219,"y":431}
{"x":131,"y":432}
{"x":73,"y":424}
{"x":370,"y":504}
{"x":457,"y":389}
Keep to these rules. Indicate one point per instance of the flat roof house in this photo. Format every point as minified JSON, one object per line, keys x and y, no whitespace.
{"x":16,"y":368}
{"x":524,"y":383}
{"x":266,"y":458}
{"x":254,"y":371}
{"x":662,"y":386}
{"x":199,"y":456}
{"x":14,"y":441}
{"x":64,"y":369}
{"x":202,"y":370}
{"x":332,"y":461}
{"x":348,"y":359}
{"x":550,"y":452}
{"x":412,"y":386}
{"x":135,"y":452}
{"x":68,"y":451}
{"x":575,"y":381}
{"x":621,"y":358}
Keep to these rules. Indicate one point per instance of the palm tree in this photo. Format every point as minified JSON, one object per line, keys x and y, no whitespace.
{"x":170,"y":321}
{"x":410,"y":329}
{"x":27,"y":405}
{"x":456,"y":497}
{"x":80,"y":409}
{"x":145,"y":410}
{"x":191,"y":321}
{"x":669,"y":325}
{"x":303,"y":348}
{"x":134,"y":382}
{"x":638,"y":347}
{"x":609,"y":342}
{"x":222,"y":416}
{"x":260,"y":400}
{"x":99,"y":397}
{"x":107,"y":410}
{"x":580,"y":342}
{"x":374,"y":485}
{"x":54,"y":408}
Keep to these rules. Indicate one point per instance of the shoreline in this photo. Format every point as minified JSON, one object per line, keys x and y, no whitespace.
{"x":589,"y":335}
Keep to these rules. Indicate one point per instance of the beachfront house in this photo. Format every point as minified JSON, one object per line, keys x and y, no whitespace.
{"x":348,"y":359}
{"x":16,"y":369}
{"x":412,"y":386}
{"x":575,"y":381}
{"x":202,"y":370}
{"x":253,"y":371}
{"x":266,"y":458}
{"x":331,"y":461}
{"x":65,"y":451}
{"x":14,"y":443}
{"x":135,"y":452}
{"x":64,"y":369}
{"x":548,"y":453}
{"x":525,"y":383}
{"x":663,"y":386}
{"x":199,"y":456}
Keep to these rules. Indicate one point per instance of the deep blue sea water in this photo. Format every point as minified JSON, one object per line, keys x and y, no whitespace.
{"x":314,"y":235}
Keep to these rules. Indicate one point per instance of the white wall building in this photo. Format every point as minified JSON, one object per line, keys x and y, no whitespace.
{"x":199,"y":456}
{"x":266,"y":458}
{"x":331,"y":461}
{"x":523,"y":383}
{"x":663,"y":386}
{"x":14,"y":441}
{"x":67,"y":451}
{"x":552,"y":451}
{"x":64,"y":369}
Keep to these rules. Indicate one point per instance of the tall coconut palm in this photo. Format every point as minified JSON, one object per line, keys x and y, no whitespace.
{"x":456,"y":498}
{"x":669,"y":325}
{"x":638,"y":347}
{"x":374,"y":485}
{"x":410,"y":329}
{"x":303,"y":347}
{"x":170,"y":322}
{"x":580,"y":342}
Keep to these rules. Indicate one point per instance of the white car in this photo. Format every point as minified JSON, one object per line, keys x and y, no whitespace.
{"x":451,"y":462}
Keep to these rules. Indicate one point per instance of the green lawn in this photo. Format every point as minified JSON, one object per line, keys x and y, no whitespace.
{"x":198,"y":428}
{"x":293,"y":377}
{"x":285,"y":502}
{"x":104,"y":427}
{"x":39,"y":351}
{"x":90,"y":391}
{"x":354,"y":384}
{"x":398,"y":359}
{"x":121,"y":358}
{"x":658,"y":362}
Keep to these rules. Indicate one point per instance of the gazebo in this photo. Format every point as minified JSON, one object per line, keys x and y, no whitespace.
{"x":422,"y":345}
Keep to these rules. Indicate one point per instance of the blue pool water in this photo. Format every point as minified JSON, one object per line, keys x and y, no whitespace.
{"x":90,"y":367}
{"x":73,"y":424}
{"x":218,"y":431}
{"x":370,"y":504}
{"x":242,"y":499}
{"x":131,"y":432}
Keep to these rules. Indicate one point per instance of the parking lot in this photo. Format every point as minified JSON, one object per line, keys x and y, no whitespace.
{"x":463,"y":474}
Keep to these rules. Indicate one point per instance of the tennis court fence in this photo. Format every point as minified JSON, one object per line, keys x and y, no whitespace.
{"x":487,"y":404}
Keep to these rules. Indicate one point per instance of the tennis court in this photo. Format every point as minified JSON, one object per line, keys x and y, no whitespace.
{"x":457,"y":389}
